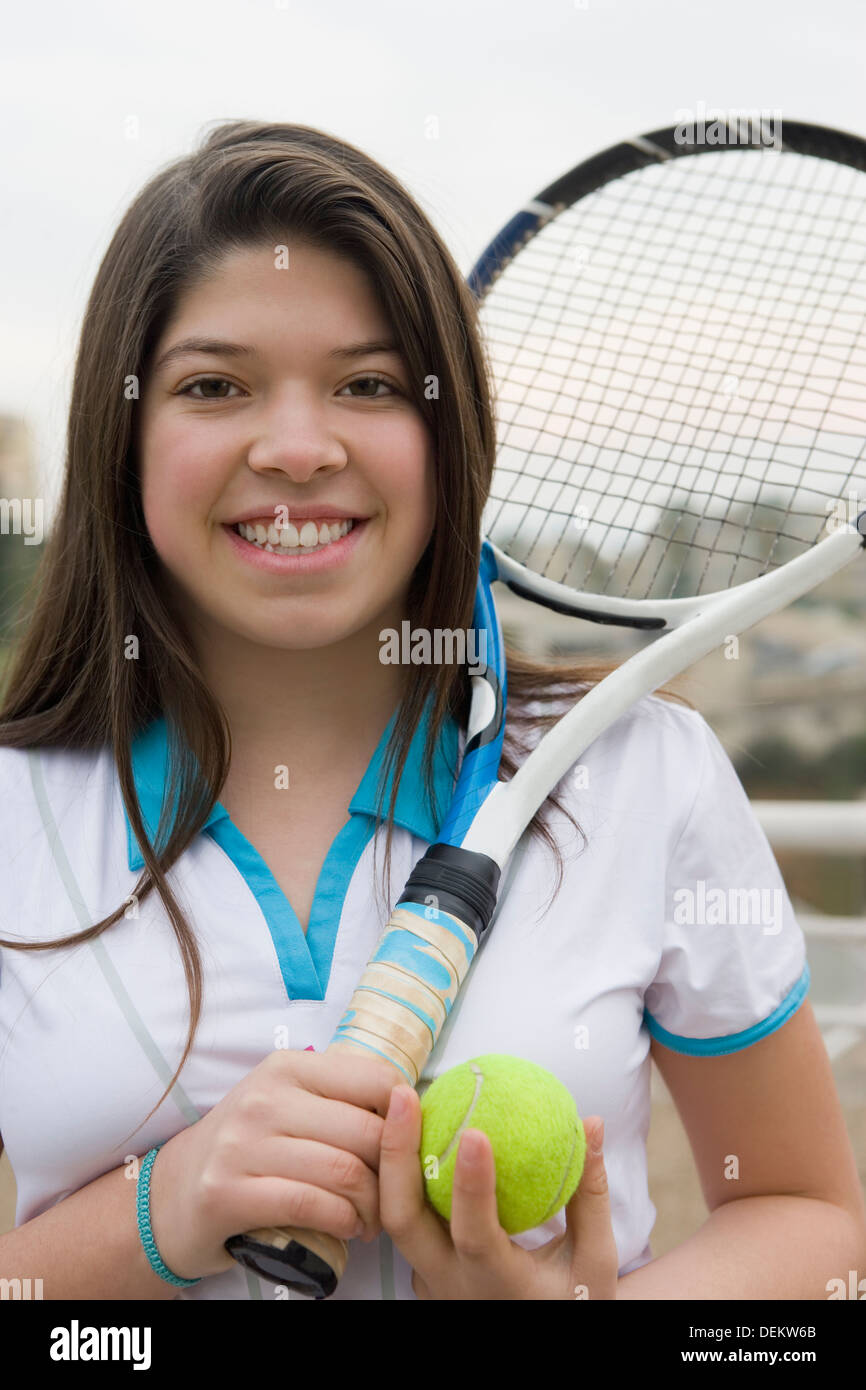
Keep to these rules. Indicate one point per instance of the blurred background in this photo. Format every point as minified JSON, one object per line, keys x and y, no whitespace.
{"x":475,"y":105}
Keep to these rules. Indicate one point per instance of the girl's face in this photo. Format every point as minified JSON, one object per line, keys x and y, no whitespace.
{"x":289,"y":416}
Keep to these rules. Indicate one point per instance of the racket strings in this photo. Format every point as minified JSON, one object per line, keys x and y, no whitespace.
{"x":749,"y":365}
{"x":611,"y":393}
{"x":701,"y":327}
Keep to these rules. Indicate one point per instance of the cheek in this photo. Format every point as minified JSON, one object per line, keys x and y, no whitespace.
{"x":177,"y":484}
{"x":409,"y":483}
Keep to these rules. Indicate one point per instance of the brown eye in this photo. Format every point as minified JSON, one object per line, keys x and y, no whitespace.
{"x":371,"y":382}
{"x":205,"y":381}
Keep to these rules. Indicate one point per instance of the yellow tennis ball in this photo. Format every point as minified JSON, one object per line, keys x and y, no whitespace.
{"x":533,"y":1126}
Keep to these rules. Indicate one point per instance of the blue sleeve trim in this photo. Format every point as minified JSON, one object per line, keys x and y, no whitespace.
{"x":732,"y":1042}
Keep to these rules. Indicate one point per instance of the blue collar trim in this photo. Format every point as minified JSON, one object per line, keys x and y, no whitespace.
{"x":150,"y":770}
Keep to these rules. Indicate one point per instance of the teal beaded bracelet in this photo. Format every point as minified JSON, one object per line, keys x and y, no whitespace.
{"x":144,"y":1231}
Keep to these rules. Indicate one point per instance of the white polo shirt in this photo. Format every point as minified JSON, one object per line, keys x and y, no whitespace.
{"x":672,"y":922}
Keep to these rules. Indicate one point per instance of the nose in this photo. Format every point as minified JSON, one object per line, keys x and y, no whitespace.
{"x":294,"y":436}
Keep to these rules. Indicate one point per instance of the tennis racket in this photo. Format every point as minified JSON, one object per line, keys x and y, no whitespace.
{"x":677,"y":339}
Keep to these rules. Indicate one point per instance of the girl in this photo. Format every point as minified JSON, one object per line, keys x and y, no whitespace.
{"x":280,"y":444}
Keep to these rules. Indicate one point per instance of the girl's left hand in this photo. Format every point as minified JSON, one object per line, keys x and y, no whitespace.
{"x":474,"y":1258}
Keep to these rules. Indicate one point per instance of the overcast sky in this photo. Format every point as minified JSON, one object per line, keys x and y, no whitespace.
{"x":520,"y":89}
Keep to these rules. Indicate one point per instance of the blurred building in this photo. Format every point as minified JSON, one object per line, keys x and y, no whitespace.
{"x":17,"y":457}
{"x":18,"y":482}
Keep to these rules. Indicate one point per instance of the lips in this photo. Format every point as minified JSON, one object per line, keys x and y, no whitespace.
{"x":300,"y":560}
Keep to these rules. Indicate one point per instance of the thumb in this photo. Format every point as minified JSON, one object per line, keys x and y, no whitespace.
{"x":587,"y":1214}
{"x":589,"y":1229}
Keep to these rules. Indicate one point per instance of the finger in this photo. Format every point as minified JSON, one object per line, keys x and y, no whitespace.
{"x":403,"y":1209}
{"x":270,"y":1201}
{"x":371,"y":1080}
{"x":341,"y":1074}
{"x":302,"y":1114}
{"x":475,"y":1228}
{"x":587,"y":1215}
{"x":419,"y":1288}
{"x":322,"y":1166}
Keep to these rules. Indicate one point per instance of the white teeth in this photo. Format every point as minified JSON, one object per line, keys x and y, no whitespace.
{"x":312,"y":535}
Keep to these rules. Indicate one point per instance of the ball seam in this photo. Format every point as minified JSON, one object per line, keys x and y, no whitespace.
{"x":553,"y":1208}
{"x":455,"y":1138}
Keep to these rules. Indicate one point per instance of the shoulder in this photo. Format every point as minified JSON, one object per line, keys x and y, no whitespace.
{"x":13,"y":769}
{"x":656,"y":733}
{"x":46,"y":792}
{"x":17,"y":793}
{"x":652,"y":730}
{"x":677,"y":723}
{"x":659,"y":750}
{"x":643,"y":774}
{"x":24,"y":770}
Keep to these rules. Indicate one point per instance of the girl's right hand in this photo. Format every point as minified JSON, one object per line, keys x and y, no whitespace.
{"x":295,"y":1143}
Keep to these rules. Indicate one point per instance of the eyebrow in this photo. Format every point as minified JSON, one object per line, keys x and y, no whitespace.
{"x":218,"y":347}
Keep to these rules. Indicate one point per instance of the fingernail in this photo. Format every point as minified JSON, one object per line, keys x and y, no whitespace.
{"x":598,"y":1140}
{"x":471,"y":1148}
{"x":397,"y":1105}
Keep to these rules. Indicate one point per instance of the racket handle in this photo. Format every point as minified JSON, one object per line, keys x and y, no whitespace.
{"x":395,"y":1015}
{"x":310,"y":1262}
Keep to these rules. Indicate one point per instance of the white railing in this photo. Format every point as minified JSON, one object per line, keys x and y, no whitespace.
{"x":834,"y":827}
{"x":824,"y":827}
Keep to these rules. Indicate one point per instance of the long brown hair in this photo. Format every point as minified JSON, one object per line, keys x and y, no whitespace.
{"x":69,"y":683}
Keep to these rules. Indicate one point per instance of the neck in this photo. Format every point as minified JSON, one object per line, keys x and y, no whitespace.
{"x":310,"y":710}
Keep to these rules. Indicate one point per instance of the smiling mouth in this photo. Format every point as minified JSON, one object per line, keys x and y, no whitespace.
{"x":294,"y":540}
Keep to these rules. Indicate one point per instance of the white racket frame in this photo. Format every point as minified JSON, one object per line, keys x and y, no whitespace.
{"x":696,"y":626}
